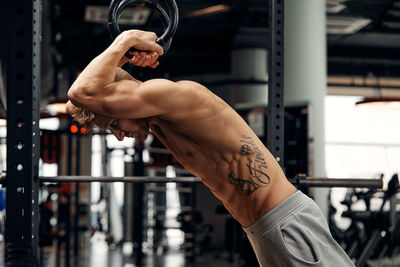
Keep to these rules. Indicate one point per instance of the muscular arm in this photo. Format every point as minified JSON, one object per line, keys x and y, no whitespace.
{"x":96,"y":86}
{"x":105,"y":89}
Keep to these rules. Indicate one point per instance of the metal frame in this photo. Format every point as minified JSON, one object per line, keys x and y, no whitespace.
{"x":300,"y":180}
{"x":138,"y":205}
{"x":70,"y":157}
{"x":275,"y":129}
{"x":297,"y":181}
{"x":23,"y":96}
{"x":77,"y":204}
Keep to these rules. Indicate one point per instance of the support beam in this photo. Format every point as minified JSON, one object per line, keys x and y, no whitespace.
{"x":23,"y":29}
{"x":111,"y":179}
{"x":275,"y":137}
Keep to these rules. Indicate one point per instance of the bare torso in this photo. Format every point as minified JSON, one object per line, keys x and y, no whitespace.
{"x":214,"y":143}
{"x":203,"y":133}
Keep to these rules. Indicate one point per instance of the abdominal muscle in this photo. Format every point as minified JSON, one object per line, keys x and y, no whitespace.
{"x":236,"y":167}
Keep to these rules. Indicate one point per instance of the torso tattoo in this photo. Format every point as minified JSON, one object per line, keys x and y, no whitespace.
{"x":256,"y":164}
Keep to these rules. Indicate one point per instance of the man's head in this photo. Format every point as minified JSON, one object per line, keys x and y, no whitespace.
{"x":136,"y":128}
{"x":121,"y":128}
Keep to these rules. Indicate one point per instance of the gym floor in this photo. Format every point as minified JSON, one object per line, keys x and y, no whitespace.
{"x":99,"y":254}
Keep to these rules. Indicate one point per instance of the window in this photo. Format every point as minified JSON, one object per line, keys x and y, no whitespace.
{"x":361,"y":142}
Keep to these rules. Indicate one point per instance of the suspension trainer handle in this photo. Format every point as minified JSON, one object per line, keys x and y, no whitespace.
{"x":169,"y":19}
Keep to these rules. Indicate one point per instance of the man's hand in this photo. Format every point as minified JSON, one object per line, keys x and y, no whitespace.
{"x":143,"y":59}
{"x":140,"y":40}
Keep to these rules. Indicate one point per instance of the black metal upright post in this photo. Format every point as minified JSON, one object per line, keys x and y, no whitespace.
{"x":58,"y":248}
{"x":68,"y":211}
{"x":76,"y":217}
{"x":23,"y":30}
{"x":138,"y":195}
{"x":275,"y":137}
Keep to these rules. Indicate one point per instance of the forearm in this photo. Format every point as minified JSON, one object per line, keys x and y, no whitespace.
{"x":101,"y":70}
{"x":95,"y":79}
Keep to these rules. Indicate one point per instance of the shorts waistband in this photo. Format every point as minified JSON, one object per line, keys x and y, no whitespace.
{"x":275,"y":216}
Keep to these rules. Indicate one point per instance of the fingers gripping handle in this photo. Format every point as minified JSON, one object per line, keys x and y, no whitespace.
{"x":129,"y":55}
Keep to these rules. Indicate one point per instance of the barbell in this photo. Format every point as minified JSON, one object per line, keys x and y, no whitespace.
{"x":297,"y":181}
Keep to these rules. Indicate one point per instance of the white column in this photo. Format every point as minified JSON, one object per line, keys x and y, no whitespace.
{"x":249,"y":64}
{"x":305,"y":75}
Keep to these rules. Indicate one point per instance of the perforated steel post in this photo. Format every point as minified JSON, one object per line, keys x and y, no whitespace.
{"x":23,"y":91}
{"x":275,"y":137}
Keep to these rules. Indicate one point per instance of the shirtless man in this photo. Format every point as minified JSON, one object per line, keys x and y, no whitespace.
{"x":214,"y":143}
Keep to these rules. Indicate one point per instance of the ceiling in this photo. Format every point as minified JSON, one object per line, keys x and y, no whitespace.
{"x":203,"y":44}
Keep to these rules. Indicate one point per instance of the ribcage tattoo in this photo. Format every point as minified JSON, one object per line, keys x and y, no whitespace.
{"x":256,"y":165}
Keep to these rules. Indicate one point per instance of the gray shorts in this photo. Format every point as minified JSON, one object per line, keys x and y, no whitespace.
{"x":295,"y":233}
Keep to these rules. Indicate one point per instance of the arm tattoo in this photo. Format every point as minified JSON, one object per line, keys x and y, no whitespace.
{"x":256,"y":164}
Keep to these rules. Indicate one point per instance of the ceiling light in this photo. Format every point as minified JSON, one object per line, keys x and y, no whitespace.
{"x":393,"y":12}
{"x":57,"y":108}
{"x":345,"y":25}
{"x":130,"y":16}
{"x":212,"y":10}
{"x":334,"y":6}
{"x":391,"y":24}
{"x":380,"y":102}
{"x":3,"y":122}
{"x":51,"y":124}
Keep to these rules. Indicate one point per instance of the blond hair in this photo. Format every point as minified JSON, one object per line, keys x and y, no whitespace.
{"x":84,"y":118}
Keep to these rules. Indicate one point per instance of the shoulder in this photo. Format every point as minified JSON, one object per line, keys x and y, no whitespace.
{"x":181,"y":98}
{"x":170,"y":89}
{"x":165,"y":83}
